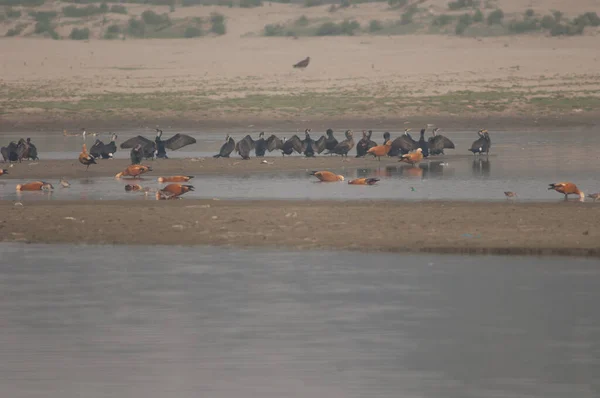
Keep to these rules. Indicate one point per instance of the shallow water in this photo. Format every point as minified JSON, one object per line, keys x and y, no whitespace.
{"x":102,"y":321}
{"x":523,"y":162}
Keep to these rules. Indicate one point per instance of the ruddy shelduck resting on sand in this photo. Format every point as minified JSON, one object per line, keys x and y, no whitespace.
{"x":175,"y":179}
{"x":35,"y":186}
{"x":134,"y":170}
{"x":363,"y":181}
{"x":567,"y":188}
{"x":85,"y":158}
{"x":412,"y":157}
{"x":173,"y":191}
{"x":510,"y":194}
{"x":380,"y":150}
{"x":327,"y":176}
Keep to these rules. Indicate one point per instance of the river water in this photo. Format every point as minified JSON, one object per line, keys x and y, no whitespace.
{"x":104,"y":321}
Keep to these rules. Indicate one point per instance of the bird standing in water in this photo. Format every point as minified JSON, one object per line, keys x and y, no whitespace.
{"x":567,"y":188}
{"x":85,"y":158}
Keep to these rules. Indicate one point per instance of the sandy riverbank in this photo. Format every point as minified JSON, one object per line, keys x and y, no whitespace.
{"x":444,"y":227}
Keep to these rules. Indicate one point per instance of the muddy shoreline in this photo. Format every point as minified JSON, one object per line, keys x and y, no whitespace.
{"x":42,"y":123}
{"x":567,"y":228}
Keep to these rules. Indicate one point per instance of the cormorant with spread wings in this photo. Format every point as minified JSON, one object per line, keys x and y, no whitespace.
{"x":157,"y":147}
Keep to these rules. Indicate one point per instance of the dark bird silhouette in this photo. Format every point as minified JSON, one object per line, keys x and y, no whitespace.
{"x":365,"y":144}
{"x":386,"y":137}
{"x":291,"y":145}
{"x":245,"y":146}
{"x":438,"y":143}
{"x":85,"y":158}
{"x":482,"y":144}
{"x":424,"y":145}
{"x":345,"y":146}
{"x":137,"y":154}
{"x":260,"y":145}
{"x":9,"y":152}
{"x":330,"y":141}
{"x":308,"y":145}
{"x":226,"y":148}
{"x":102,"y":150}
{"x":157,"y":147}
{"x":403,"y":144}
{"x":302,"y":64}
{"x":274,"y":142}
{"x":30,"y":150}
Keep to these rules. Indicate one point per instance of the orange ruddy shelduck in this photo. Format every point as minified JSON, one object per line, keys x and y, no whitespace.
{"x":363,"y":181}
{"x":35,"y":186}
{"x":567,"y":188}
{"x":173,"y":191}
{"x":413,"y":157}
{"x":175,"y":179}
{"x":381,"y":150}
{"x":85,"y":158}
{"x":327,"y":176}
{"x":134,"y":170}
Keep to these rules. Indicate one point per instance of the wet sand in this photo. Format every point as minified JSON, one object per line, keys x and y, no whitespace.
{"x":561,"y":228}
{"x":54,"y":169}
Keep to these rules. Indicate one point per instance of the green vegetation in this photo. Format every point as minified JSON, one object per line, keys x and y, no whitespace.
{"x":118,"y":9}
{"x":136,"y":28}
{"x":192,"y":31}
{"x":151,"y":18}
{"x":397,"y":3}
{"x":24,"y":3}
{"x":46,"y":28}
{"x":495,"y":17}
{"x":16,"y":30}
{"x":345,"y":28}
{"x":80,"y":34}
{"x":407,"y":17}
{"x":442,"y":20}
{"x":302,"y":21}
{"x":250,"y":3}
{"x":112,"y":32}
{"x":12,"y":14}
{"x":375,"y":26}
{"x":313,"y":3}
{"x":217,"y":22}
{"x":43,"y":16}
{"x":478,"y":16}
{"x":460,"y":4}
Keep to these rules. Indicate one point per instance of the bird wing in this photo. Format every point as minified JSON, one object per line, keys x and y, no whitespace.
{"x":274,"y":142}
{"x":447,"y":144}
{"x":478,"y":144}
{"x":132,"y":142}
{"x":319,"y":145}
{"x":179,"y":141}
{"x":296,"y":143}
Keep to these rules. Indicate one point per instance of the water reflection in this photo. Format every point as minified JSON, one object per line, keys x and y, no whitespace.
{"x":481,"y":166}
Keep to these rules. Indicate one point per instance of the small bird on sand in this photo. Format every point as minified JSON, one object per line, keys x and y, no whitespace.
{"x":363,"y":181}
{"x":302,"y":64}
{"x":64,"y":183}
{"x":567,"y":188}
{"x":594,"y":196}
{"x":510,"y":194}
{"x":133,"y":187}
{"x":327,"y":176}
